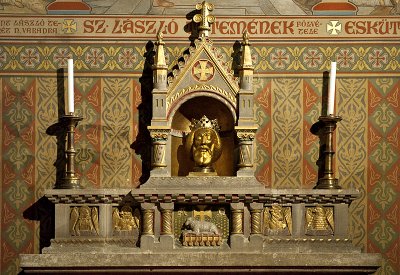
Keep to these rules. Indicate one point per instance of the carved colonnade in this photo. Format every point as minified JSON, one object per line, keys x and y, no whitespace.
{"x":248,"y":228}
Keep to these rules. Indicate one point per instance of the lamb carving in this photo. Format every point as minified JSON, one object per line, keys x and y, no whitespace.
{"x":201,"y":226}
{"x":201,"y":233}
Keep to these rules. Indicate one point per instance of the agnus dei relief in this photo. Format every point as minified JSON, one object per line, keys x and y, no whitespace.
{"x":201,"y":233}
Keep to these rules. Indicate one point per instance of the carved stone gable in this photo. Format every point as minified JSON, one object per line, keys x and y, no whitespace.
{"x":203,"y":73}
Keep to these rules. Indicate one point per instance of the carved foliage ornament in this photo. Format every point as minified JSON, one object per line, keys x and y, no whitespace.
{"x":246,"y":134}
{"x":159,"y":134}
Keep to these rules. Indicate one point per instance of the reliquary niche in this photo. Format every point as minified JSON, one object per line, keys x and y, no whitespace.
{"x":84,"y":221}
{"x":319,"y":221}
{"x":277,"y":220}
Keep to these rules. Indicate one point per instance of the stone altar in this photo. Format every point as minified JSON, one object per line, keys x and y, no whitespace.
{"x":252,"y":228}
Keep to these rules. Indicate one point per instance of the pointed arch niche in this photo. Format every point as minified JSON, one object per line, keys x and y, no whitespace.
{"x":194,"y":108}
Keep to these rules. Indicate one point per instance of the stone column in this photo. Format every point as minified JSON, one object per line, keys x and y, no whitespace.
{"x":147,"y":238}
{"x":167,"y":230}
{"x":256,"y":237}
{"x":237,"y":233}
{"x":237,"y":221}
{"x":246,"y":156}
{"x":256,"y":210}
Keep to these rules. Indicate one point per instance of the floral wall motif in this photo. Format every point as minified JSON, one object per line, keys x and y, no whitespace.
{"x":370,"y":57}
{"x":110,"y":85}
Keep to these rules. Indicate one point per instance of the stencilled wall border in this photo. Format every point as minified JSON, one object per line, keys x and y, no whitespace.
{"x":364,"y":59}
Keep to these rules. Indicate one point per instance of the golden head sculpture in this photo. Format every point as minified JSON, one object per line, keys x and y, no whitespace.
{"x":204,"y":144}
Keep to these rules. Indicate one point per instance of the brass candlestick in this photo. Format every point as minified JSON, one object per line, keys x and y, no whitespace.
{"x":70,"y":181}
{"x":325,"y":129}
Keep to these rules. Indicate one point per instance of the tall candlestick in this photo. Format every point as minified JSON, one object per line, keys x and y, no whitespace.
{"x":331,"y":93}
{"x":70,"y":95}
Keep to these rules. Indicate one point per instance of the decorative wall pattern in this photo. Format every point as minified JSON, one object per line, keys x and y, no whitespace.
{"x":88,"y":105}
{"x":263,"y":136}
{"x":287,"y":130}
{"x":383,"y":185}
{"x":351,"y":150}
{"x":116,"y":135}
{"x":18,"y":168}
{"x":111,"y":93}
{"x":276,"y":58}
{"x":312,"y":106}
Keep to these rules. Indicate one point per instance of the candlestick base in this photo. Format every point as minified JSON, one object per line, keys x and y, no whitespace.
{"x":324,"y":129}
{"x":328,"y":184}
{"x":69,"y":183}
{"x":70,"y":180}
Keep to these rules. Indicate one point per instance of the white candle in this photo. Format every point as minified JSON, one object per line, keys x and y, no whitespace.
{"x":331,"y":92}
{"x":70,"y":94}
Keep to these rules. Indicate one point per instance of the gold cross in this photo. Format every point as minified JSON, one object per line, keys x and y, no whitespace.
{"x":203,"y":70}
{"x":202,"y":213}
{"x":69,"y":26}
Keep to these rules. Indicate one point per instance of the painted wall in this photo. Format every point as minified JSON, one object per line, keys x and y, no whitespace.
{"x":181,"y":7}
{"x":112,"y":77}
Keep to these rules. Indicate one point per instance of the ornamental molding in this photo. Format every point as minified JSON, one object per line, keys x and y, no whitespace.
{"x":213,"y":195}
{"x":269,"y":199}
{"x":231,"y":97}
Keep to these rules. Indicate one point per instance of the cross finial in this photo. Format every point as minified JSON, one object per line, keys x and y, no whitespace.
{"x":204,"y":18}
{"x":246,"y":52}
{"x":160,"y":37}
{"x":245,"y":38}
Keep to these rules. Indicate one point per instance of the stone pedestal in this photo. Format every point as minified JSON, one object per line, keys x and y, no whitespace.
{"x":200,"y":262}
{"x":251,"y":241}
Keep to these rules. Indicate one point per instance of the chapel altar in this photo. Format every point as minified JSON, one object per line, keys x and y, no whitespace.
{"x":202,"y":209}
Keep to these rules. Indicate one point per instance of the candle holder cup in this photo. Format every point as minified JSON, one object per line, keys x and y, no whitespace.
{"x":70,"y":180}
{"x":324,"y":129}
